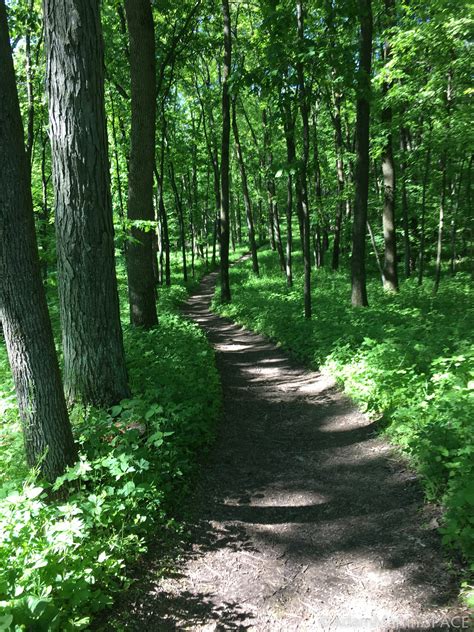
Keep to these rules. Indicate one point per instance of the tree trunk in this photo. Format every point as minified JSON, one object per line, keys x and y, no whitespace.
{"x":390,"y":273}
{"x":180,"y":213}
{"x":117,"y":172}
{"x":340,"y":183}
{"x":302,"y":187}
{"x":406,"y":232}
{"x":159,"y":175}
{"x":29,"y":87}
{"x":245,"y":191}
{"x":319,"y":195}
{"x":94,"y":358}
{"x":444,"y":175}
{"x":376,"y":252}
{"x":267,"y":165}
{"x":442,"y":204}
{"x":225,"y":197}
{"x":23,"y":311}
{"x":421,"y":267}
{"x":277,"y":231}
{"x":289,"y":127}
{"x":359,"y":289}
{"x":289,"y":232}
{"x":140,"y":255}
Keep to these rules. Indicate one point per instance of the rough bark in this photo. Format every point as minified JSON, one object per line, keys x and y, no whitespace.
{"x":225,"y":197}
{"x":359,"y":228}
{"x":23,"y":311}
{"x":94,"y":359}
{"x":141,"y":277}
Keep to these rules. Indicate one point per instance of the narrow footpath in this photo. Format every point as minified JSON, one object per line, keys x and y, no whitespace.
{"x":307,"y":520}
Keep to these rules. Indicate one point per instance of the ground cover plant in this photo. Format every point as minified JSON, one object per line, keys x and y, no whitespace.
{"x":407,"y":359}
{"x":62,"y":561}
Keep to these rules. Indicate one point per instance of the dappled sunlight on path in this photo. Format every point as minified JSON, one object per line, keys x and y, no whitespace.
{"x":304,"y":518}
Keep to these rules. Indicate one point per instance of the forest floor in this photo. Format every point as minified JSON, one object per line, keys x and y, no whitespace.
{"x":303,"y":518}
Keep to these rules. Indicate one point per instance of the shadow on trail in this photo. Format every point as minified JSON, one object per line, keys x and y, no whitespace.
{"x":302,"y":514}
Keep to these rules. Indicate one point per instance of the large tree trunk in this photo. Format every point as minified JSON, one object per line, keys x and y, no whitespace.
{"x":23,"y":310}
{"x":302,"y":187}
{"x":359,"y":289}
{"x":390,"y":273}
{"x":245,"y":191}
{"x":225,"y":197}
{"x":141,"y":278}
{"x":94,"y":359}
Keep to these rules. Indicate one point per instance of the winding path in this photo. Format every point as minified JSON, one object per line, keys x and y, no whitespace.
{"x":307,"y":520}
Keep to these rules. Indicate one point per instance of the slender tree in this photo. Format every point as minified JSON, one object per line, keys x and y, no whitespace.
{"x":225,"y":196}
{"x":359,"y":229}
{"x":141,"y":277}
{"x":245,"y":191}
{"x":302,"y":186}
{"x":24,"y":314}
{"x":390,"y":272}
{"x":94,"y":359}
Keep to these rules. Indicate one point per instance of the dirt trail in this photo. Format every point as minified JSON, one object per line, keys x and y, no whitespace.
{"x":307,"y":520}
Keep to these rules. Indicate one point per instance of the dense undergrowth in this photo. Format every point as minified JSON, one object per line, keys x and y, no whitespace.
{"x":62,"y":561}
{"x":407,"y":360}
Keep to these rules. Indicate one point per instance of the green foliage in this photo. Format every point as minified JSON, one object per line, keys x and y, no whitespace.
{"x":62,"y":560}
{"x":408,"y":359}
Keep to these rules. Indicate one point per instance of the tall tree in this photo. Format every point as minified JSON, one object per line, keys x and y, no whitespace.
{"x":23,"y":311}
{"x":359,"y":228}
{"x":225,"y":197}
{"x":141,"y":278}
{"x":302,"y":185}
{"x":245,"y":190}
{"x":390,"y":272}
{"x":94,"y":359}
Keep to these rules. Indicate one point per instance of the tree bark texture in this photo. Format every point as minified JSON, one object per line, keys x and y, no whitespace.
{"x":23,"y":311}
{"x":94,"y":359}
{"x":141,"y":277}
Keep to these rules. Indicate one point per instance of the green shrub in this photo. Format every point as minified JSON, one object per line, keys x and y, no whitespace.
{"x":61,"y":561}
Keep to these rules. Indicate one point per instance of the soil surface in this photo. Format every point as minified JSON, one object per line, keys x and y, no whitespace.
{"x":304,"y":518}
